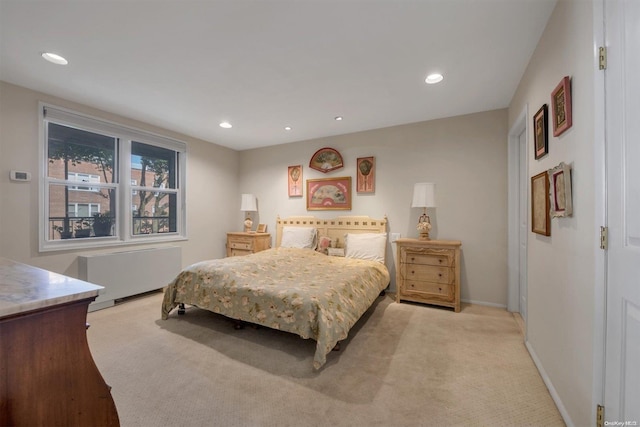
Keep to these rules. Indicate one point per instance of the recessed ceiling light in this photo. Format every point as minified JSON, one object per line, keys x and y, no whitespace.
{"x":226,"y":125}
{"x":56,"y":59}
{"x":338,"y":118}
{"x":433,"y":78}
{"x":287,"y":128}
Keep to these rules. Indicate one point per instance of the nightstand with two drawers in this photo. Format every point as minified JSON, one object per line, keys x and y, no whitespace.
{"x":241,"y":243}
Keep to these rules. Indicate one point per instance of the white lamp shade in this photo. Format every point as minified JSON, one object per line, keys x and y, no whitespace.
{"x":248,"y":203}
{"x":424,"y":195}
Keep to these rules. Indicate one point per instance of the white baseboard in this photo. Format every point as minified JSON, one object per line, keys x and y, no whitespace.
{"x":549,"y":384}
{"x":490,"y":304}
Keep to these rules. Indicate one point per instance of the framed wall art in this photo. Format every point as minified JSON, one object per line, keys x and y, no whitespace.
{"x":326,"y":160}
{"x":540,"y":220}
{"x":561,"y":106}
{"x":560,"y":197}
{"x":294,"y":181}
{"x":540,"y":140}
{"x":329,"y":194}
{"x":366,"y":174}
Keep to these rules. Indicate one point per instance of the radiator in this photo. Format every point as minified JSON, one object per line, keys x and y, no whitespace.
{"x":128,"y":273}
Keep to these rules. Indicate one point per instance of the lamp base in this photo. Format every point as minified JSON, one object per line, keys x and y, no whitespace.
{"x":247,"y":225}
{"x":424,"y":236}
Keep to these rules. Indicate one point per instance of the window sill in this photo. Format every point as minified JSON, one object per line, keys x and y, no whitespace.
{"x":103,"y":242}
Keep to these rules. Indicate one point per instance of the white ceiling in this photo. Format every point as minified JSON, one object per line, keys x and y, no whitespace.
{"x":187,"y":65}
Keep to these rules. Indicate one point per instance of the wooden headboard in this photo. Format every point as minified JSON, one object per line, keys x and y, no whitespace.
{"x":335,"y":228}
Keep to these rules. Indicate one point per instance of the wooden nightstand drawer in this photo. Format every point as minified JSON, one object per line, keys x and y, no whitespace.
{"x":246,"y":245}
{"x":430,"y":258}
{"x":436,"y":291}
{"x":428,"y":273}
{"x":238,"y":252}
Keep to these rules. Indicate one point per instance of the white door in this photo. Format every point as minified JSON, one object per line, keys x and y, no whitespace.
{"x":622,"y":93}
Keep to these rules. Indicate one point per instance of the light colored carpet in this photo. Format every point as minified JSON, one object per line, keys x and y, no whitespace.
{"x":402,"y":365}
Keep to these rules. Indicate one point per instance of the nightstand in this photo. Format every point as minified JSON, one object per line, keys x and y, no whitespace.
{"x":428,"y":271}
{"x":241,"y":243}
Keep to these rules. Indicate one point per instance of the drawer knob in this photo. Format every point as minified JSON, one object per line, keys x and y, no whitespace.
{"x":440,"y":261}
{"x":413,"y":272}
{"x":440,"y":274}
{"x":412,"y":259}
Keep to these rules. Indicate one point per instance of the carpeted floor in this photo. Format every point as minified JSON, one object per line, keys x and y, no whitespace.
{"x":402,"y":365}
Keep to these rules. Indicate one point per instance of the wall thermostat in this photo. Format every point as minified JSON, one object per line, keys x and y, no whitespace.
{"x":20,"y":176}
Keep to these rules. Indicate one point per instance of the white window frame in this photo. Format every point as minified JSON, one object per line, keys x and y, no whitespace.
{"x":123,"y":234}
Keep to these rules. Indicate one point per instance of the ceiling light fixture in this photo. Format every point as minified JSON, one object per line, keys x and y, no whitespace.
{"x":287,"y":128}
{"x":226,"y":125}
{"x":56,"y":59}
{"x":433,"y":78}
{"x":338,"y":118}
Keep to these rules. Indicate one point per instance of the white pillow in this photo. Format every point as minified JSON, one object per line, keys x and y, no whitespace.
{"x":369,"y":246}
{"x":299,"y":237}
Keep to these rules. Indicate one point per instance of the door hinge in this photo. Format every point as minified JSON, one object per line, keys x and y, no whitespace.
{"x":602,"y":57}
{"x":600,"y":416}
{"x":604,"y":237}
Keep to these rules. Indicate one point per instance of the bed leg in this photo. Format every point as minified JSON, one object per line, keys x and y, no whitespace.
{"x":181,"y":309}
{"x":336,"y":347}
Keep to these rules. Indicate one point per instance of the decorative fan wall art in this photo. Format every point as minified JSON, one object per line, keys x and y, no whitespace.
{"x":326,"y":160}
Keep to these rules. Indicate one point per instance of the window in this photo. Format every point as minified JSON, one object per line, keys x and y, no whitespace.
{"x":132,"y":183}
{"x":83,"y":177}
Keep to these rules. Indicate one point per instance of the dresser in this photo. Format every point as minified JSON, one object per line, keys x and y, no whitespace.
{"x":241,"y":243}
{"x":428,"y":271}
{"x":47,"y":374}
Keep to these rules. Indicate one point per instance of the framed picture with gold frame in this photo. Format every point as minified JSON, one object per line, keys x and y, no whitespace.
{"x":262,"y":228}
{"x":294,"y":181}
{"x":540,"y":220}
{"x":329,"y":194}
{"x":366,"y":174}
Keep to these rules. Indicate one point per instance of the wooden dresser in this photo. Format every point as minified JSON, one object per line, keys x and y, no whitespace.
{"x":428,"y":271}
{"x":241,"y":243}
{"x":47,"y":374}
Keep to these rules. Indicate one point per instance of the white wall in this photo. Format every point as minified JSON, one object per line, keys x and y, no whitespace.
{"x":561,"y":267}
{"x":212,"y":182}
{"x":465,"y":156}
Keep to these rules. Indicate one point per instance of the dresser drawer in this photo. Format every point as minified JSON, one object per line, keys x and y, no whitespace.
{"x":239,"y":252}
{"x":437,"y":291}
{"x":429,"y":256}
{"x":428,"y":273}
{"x":239,"y":243}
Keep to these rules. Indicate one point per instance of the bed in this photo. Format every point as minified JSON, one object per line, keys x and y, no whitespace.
{"x":291,"y":287}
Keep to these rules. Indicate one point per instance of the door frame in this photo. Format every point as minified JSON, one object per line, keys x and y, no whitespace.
{"x":600,"y":212}
{"x":517,"y":168}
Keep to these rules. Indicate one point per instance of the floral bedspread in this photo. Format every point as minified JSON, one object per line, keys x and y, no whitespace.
{"x":295,"y":290}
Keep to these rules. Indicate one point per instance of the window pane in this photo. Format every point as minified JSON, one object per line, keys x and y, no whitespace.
{"x":80,"y":155}
{"x":154,"y":212}
{"x":153,"y":166}
{"x":81,"y":206}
